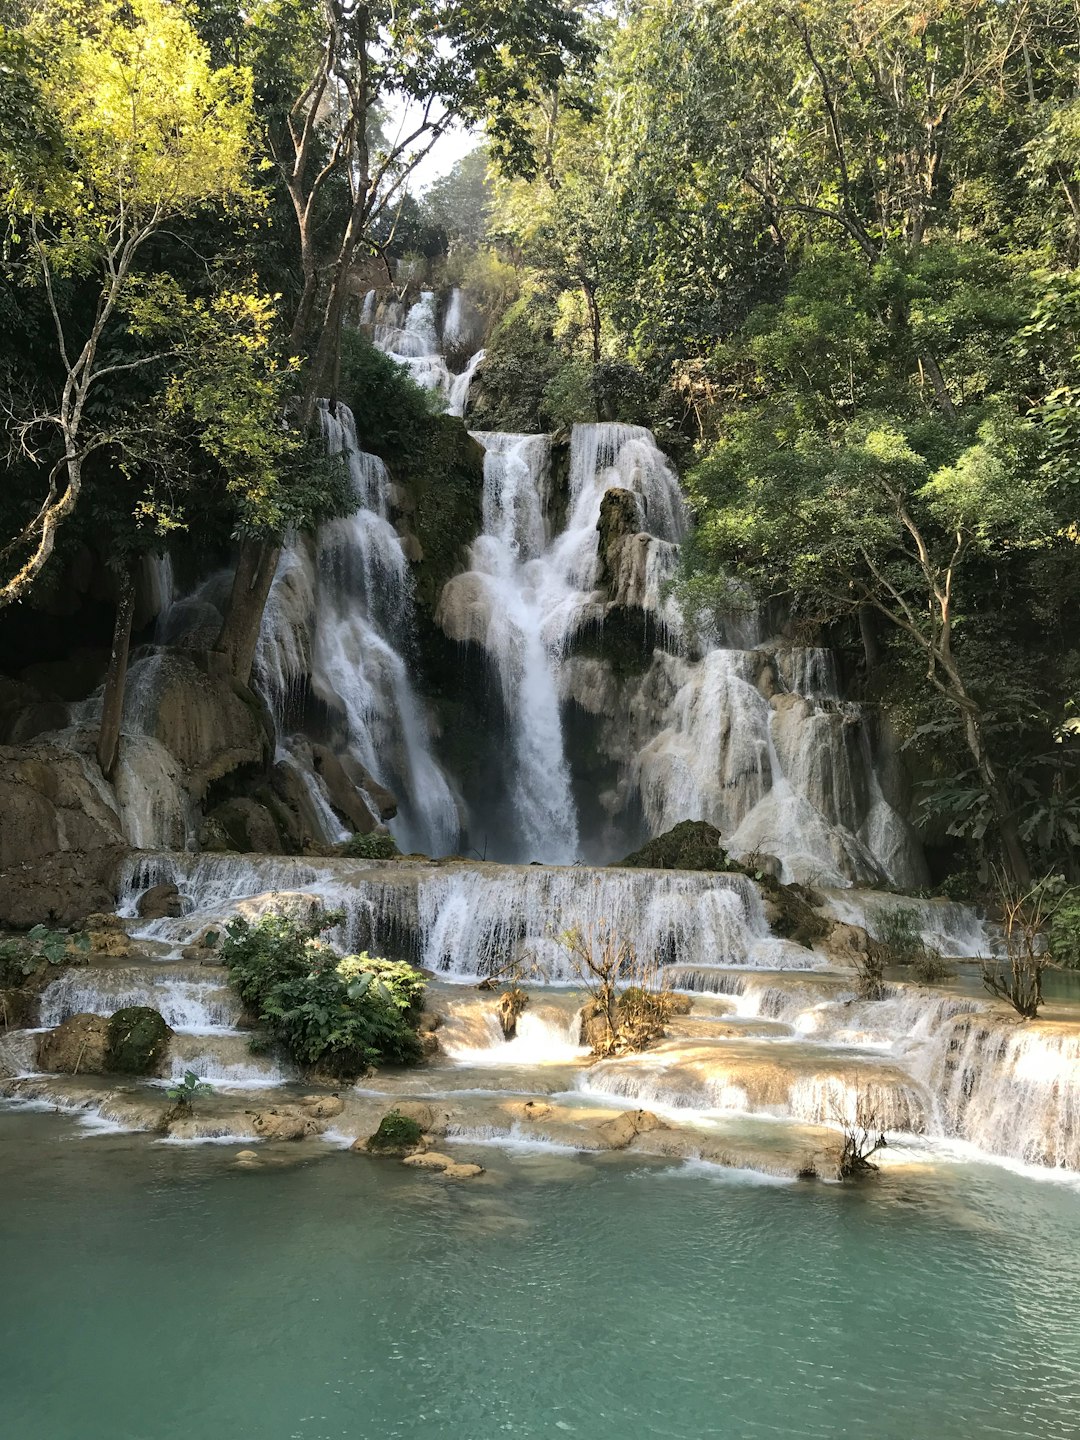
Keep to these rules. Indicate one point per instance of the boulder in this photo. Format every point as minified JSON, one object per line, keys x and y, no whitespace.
{"x":160,"y":902}
{"x":620,"y":1131}
{"x":690,"y":845}
{"x":18,"y":1008}
{"x":78,"y":1046}
{"x":323,"y":1107}
{"x":530,"y":1110}
{"x":846,"y":944}
{"x":384,"y":801}
{"x":397,"y":1134}
{"x":138,"y":1041}
{"x":286,"y":1122}
{"x":346,"y":799}
{"x":462,"y":1171}
{"x":209,"y":721}
{"x":248,"y":826}
{"x":429,"y":1160}
{"x":60,"y":840}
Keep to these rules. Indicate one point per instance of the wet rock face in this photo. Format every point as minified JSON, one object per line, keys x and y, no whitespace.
{"x":247,"y":827}
{"x":60,"y":842}
{"x":210,"y":722}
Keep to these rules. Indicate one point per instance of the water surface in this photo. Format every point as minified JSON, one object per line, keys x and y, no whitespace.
{"x":157,"y":1292}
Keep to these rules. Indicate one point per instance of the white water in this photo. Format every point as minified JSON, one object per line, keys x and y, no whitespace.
{"x":340,"y":618}
{"x":411,"y":337}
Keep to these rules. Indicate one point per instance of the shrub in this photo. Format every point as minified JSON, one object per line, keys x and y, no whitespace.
{"x":25,"y":955}
{"x":376,"y":845}
{"x":184,"y":1093}
{"x":931,"y":966}
{"x":396,"y":1133}
{"x":342,"y":1015}
{"x":138,"y":1040}
{"x":898,"y":932}
{"x":1064,"y":932}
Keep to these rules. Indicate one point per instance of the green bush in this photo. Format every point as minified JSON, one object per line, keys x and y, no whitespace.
{"x":339,"y":1014}
{"x":376,"y":845}
{"x":25,"y":955}
{"x":1064,"y":933}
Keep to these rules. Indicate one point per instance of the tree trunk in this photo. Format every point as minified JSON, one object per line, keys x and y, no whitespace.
{"x":1007,"y":827}
{"x":255,"y":567}
{"x":868,"y":632}
{"x":112,"y":704}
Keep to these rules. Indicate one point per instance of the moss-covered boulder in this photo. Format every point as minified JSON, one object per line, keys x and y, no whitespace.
{"x":397,"y":1134}
{"x":690,"y":845}
{"x":138,"y":1041}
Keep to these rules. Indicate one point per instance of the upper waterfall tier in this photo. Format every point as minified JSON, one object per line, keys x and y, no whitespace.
{"x":413,"y":336}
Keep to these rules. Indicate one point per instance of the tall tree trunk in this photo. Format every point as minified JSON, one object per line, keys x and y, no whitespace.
{"x":254,"y":575}
{"x":868,"y":632}
{"x":1007,"y":827}
{"x":112,"y":704}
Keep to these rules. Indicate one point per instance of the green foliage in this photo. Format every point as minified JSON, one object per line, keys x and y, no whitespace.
{"x":186,"y":1091}
{"x":376,"y":845}
{"x":341,"y":1015}
{"x":26,"y":955}
{"x":898,"y":931}
{"x":396,"y":1133}
{"x":138,"y":1040}
{"x":1064,"y":931}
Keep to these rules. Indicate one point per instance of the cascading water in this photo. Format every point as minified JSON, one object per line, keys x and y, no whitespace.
{"x":411,"y":337}
{"x":749,"y":736}
{"x":339,"y":617}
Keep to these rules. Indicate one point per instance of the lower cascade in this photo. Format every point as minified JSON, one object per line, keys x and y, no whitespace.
{"x":768,"y":1029}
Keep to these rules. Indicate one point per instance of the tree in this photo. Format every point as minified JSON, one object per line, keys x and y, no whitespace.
{"x":139,"y":128}
{"x":333,"y":70}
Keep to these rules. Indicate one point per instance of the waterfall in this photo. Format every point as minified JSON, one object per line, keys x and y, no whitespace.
{"x":340,"y":615}
{"x":413,"y":340}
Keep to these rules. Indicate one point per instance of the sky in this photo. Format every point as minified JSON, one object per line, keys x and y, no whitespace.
{"x":447,"y":151}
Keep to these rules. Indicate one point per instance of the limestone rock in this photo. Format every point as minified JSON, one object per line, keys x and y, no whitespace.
{"x":60,"y":841}
{"x":384,"y":800}
{"x":285,"y":1123}
{"x":18,"y":1009}
{"x":620,"y":1131}
{"x":160,"y":902}
{"x":344,"y":796}
{"x":79,"y":1046}
{"x":138,"y":1041}
{"x":249,"y":826}
{"x":210,"y":722}
{"x":429,"y":1160}
{"x":462,"y":1171}
{"x":323,"y":1107}
{"x":529,"y":1110}
{"x":846,"y":944}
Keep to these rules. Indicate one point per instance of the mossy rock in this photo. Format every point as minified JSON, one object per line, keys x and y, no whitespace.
{"x":138,"y":1041}
{"x":397,"y":1134}
{"x":690,"y":845}
{"x":792,"y":915}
